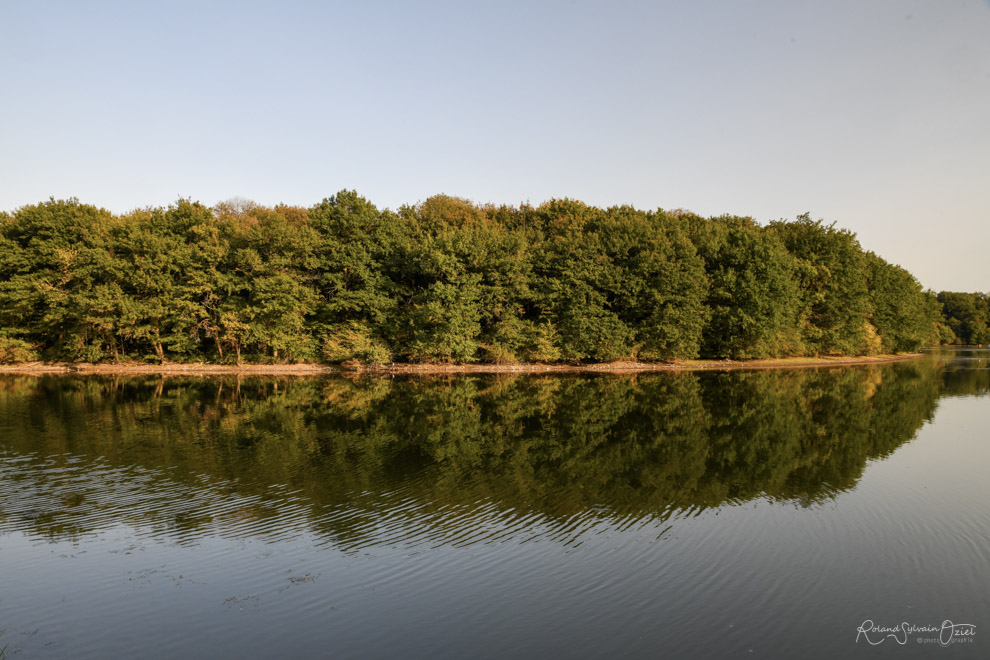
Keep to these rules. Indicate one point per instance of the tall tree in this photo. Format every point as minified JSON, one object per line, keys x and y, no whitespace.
{"x":904,"y":316}
{"x":753,"y":296}
{"x":831,"y":269}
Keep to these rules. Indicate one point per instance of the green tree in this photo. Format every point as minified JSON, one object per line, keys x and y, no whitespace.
{"x":753,"y":299}
{"x":573,"y":278}
{"x":439,"y":314}
{"x":275,"y":266}
{"x":51,"y":254}
{"x":355,"y":295}
{"x":905,"y":316}
{"x":832,"y":277}
{"x":967,"y":316}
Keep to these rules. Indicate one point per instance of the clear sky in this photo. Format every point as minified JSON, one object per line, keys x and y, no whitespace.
{"x":874,"y":114}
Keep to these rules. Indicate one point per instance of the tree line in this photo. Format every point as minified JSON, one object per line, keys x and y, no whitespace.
{"x":447,"y":280}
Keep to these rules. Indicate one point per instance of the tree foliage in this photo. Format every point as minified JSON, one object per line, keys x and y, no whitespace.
{"x":967,"y":317}
{"x":447,"y":280}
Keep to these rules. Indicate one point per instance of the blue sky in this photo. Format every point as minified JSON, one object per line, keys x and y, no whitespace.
{"x":873,"y":114}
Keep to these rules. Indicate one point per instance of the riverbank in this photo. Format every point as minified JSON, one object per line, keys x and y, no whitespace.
{"x":205,"y":369}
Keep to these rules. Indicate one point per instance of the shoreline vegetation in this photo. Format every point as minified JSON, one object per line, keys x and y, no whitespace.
{"x":310,"y":369}
{"x":449,"y":285}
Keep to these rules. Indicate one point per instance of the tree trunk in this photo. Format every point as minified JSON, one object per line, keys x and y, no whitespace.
{"x":159,"y":351}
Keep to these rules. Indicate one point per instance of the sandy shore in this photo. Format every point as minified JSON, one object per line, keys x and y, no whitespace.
{"x":205,"y":369}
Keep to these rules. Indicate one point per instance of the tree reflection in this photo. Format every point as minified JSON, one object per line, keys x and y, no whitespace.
{"x":590,"y":448}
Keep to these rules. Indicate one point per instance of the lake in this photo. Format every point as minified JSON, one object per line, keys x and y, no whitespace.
{"x":688,"y":514}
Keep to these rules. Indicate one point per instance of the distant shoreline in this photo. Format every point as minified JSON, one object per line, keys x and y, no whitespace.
{"x":315,"y":369}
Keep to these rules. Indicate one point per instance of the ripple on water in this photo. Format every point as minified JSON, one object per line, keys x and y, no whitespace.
{"x":70,"y":497}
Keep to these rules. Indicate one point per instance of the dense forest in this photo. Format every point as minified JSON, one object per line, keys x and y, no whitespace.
{"x":450,"y":281}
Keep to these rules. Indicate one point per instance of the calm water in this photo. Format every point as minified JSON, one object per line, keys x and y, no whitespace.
{"x":662,"y":515}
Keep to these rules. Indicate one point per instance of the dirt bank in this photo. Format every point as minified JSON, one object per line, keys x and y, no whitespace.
{"x":204,"y":369}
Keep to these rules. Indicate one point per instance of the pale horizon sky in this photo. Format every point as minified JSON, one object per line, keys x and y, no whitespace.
{"x":874,"y":115}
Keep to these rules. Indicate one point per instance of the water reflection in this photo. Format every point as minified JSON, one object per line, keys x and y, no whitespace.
{"x":444,"y":461}
{"x":964,"y":372}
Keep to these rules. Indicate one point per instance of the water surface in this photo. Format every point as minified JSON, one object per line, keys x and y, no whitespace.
{"x":667,"y":514}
